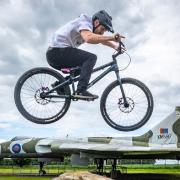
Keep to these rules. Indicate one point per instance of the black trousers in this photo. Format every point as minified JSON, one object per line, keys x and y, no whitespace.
{"x":71,"y":57}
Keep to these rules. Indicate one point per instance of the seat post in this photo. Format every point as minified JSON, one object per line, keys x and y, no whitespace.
{"x":73,"y":86}
{"x":72,"y":72}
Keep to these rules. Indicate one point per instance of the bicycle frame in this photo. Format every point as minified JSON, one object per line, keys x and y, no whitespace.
{"x":112,"y":67}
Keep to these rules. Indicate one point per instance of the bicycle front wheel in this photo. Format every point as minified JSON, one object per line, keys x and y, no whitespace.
{"x":28,"y":100}
{"x":140,"y":105}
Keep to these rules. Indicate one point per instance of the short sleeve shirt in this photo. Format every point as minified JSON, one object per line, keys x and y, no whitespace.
{"x":69,"y":34}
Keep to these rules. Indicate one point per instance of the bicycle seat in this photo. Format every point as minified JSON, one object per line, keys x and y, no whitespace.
{"x":70,"y":70}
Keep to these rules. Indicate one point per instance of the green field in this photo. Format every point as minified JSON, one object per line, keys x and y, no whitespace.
{"x":129,"y":169}
{"x":24,"y":178}
{"x":153,"y":171}
{"x":160,"y":169}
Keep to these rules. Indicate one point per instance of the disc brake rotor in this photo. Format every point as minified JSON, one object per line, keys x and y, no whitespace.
{"x":38,"y":98}
{"x":122,"y":107}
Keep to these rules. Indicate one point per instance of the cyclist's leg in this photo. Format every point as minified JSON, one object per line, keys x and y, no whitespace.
{"x":89,"y":60}
{"x":71,"y":57}
{"x":55,"y":56}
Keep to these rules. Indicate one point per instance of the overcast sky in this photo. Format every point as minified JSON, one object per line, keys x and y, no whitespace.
{"x":152,"y":30}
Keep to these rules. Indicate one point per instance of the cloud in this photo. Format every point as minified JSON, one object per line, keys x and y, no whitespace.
{"x":152,"y":32}
{"x":2,"y":140}
{"x":4,"y":125}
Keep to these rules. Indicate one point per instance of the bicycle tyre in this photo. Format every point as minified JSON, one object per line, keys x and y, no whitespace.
{"x":133,"y":82}
{"x":18,"y":101}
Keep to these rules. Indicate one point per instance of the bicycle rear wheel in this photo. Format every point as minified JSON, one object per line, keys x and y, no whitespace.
{"x":29,"y":102}
{"x":129,"y":118}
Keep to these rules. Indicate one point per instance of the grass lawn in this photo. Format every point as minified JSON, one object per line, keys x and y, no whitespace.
{"x":161,"y":169}
{"x":24,"y":178}
{"x":155,"y":171}
{"x":130,"y":169}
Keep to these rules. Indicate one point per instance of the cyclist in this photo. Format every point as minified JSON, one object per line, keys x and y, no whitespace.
{"x":63,"y":51}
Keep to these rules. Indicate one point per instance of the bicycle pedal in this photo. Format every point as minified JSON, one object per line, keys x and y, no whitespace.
{"x":82,"y":98}
{"x":87,"y":99}
{"x":74,"y":99}
{"x":92,"y":99}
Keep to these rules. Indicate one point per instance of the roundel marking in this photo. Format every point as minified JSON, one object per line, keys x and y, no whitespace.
{"x":16,"y":148}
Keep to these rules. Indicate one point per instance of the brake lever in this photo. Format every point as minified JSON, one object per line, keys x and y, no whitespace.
{"x":122,"y":44}
{"x":121,"y":47}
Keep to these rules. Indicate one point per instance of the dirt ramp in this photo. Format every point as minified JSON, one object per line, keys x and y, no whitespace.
{"x":81,"y":176}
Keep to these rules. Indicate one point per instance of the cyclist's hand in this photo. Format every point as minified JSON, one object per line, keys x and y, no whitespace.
{"x":118,"y":37}
{"x":116,"y":47}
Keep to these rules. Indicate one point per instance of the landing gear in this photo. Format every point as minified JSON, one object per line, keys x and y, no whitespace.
{"x":41,"y":171}
{"x":100,"y":165}
{"x":115,"y":174}
{"x":114,"y":164}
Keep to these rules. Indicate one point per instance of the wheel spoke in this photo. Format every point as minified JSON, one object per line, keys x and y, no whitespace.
{"x":40,"y":109}
{"x":126,"y":117}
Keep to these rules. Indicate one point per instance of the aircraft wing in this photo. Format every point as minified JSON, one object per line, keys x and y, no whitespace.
{"x":162,"y":141}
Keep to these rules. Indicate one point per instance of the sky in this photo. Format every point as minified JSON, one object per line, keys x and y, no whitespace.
{"x":152,"y":39}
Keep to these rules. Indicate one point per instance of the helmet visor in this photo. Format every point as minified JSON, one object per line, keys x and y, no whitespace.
{"x":108,"y":27}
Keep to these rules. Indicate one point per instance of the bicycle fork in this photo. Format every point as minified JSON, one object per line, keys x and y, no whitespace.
{"x":126,"y":105}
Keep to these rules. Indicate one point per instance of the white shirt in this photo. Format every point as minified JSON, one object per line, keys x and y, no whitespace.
{"x":69,"y":34}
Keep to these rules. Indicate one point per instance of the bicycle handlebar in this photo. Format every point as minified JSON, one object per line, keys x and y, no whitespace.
{"x":121,"y":46}
{"x":120,"y":50}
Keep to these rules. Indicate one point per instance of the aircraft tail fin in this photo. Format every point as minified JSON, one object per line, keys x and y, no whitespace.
{"x":165,"y":133}
{"x":168,"y":130}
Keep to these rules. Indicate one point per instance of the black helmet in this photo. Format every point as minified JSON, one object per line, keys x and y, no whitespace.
{"x":104,"y":19}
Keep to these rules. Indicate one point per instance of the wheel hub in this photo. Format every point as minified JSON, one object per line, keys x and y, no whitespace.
{"x":126,"y":107}
{"x":40,"y":99}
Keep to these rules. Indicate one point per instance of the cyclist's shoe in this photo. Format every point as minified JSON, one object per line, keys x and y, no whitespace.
{"x":60,"y":91}
{"x":85,"y":95}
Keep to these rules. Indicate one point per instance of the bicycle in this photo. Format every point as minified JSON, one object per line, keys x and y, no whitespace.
{"x":126,"y":104}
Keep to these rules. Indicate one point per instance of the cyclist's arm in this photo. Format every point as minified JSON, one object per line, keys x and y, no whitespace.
{"x":111,"y":44}
{"x":92,"y":38}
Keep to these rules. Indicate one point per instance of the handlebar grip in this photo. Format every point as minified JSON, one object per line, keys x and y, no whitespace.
{"x":116,"y":37}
